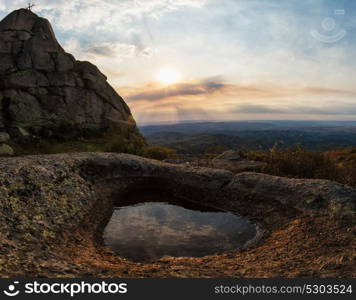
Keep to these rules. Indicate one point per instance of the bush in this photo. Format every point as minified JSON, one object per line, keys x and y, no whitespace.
{"x":299,"y":162}
{"x":345,"y":159}
{"x":110,"y":141}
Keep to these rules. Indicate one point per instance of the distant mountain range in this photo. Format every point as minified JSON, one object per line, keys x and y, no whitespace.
{"x":202,"y":137}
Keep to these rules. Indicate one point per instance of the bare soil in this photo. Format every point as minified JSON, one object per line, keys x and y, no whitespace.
{"x":306,"y":246}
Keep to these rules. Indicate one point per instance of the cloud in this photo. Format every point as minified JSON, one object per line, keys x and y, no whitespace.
{"x":78,"y":15}
{"x":306,"y":110}
{"x":112,"y":50}
{"x":205,"y":87}
{"x":103,"y":50}
{"x":258,"y":109}
{"x":245,"y":92}
{"x":267,"y":90}
{"x":322,"y":90}
{"x":106,"y":49}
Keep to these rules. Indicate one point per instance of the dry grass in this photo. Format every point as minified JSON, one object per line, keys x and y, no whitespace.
{"x":336,"y":165}
{"x":321,"y":246}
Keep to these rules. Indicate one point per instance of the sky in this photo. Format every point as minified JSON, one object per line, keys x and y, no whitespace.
{"x":178,"y":60}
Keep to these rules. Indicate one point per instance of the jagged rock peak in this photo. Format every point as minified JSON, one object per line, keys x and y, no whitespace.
{"x":22,"y":19}
{"x":25,"y":22}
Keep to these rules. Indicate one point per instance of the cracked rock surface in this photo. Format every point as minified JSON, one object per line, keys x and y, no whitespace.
{"x":53,"y":205}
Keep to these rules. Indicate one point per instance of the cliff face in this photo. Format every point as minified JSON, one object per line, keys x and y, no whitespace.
{"x":46,"y":93}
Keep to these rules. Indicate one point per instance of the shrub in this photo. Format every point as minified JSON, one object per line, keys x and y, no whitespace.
{"x":299,"y":162}
{"x":110,"y":141}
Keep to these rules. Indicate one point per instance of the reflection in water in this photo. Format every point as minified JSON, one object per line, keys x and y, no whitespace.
{"x":148,"y":231}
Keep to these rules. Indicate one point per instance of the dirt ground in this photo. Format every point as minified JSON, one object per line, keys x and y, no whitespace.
{"x":305,"y":246}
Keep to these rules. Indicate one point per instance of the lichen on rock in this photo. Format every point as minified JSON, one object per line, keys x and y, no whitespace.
{"x":6,"y":150}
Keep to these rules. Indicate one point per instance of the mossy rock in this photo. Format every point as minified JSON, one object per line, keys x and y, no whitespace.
{"x":6,"y":150}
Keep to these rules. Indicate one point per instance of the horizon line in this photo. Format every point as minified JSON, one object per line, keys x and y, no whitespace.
{"x":238,"y":121}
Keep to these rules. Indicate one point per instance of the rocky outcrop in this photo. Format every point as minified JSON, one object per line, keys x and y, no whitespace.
{"x":231,"y":155}
{"x":61,"y":190}
{"x":46,"y":92}
{"x":46,"y":201}
{"x":236,"y":162}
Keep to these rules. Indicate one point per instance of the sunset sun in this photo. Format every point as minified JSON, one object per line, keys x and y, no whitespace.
{"x":168,"y":76}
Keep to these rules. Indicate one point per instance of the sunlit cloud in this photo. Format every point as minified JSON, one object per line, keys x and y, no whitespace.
{"x":206,"y":87}
{"x":322,"y":90}
{"x":210,"y":87}
{"x":308,"y":110}
{"x":218,"y":100}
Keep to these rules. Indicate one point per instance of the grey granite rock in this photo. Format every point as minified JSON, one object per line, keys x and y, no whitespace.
{"x":44,"y":87}
{"x":236,"y":162}
{"x":46,"y":180}
{"x":47,"y":199}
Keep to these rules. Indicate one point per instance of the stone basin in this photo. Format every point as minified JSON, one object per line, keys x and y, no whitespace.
{"x":155,"y":225}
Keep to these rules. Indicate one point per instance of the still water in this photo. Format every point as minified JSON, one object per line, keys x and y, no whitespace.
{"x":147,"y":231}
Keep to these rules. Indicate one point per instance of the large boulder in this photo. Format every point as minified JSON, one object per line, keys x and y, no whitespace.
{"x":43,"y":89}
